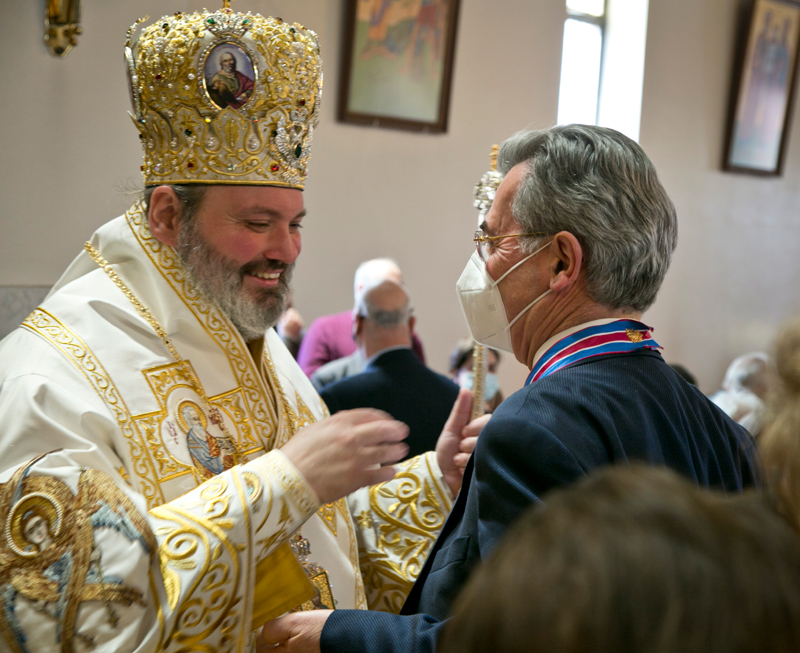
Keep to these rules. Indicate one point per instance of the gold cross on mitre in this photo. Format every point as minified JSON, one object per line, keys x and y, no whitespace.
{"x":226,"y":4}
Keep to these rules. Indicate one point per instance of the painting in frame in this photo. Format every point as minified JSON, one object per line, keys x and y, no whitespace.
{"x":397,"y":63}
{"x":764,"y":87}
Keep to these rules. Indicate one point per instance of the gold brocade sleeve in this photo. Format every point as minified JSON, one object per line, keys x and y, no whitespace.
{"x":225,"y":543}
{"x":83,"y":565}
{"x":397,"y":523}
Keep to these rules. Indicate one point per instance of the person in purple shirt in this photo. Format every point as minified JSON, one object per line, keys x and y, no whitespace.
{"x":330,"y":337}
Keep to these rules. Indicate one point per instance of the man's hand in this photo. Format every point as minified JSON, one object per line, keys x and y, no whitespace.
{"x":458,"y":439}
{"x":345,"y":452}
{"x":297,"y":633}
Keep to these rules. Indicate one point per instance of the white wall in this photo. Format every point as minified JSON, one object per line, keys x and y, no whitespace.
{"x":736,"y":271}
{"x":68,"y":147}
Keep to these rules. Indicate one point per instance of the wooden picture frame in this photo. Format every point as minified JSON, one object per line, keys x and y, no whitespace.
{"x":397,"y":63}
{"x":763,"y":88}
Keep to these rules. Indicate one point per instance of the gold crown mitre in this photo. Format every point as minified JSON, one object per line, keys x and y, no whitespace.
{"x":225,"y":98}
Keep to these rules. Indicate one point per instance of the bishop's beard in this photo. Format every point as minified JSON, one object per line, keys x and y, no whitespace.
{"x":220,"y":279}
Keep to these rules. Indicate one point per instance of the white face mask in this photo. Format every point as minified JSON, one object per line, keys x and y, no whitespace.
{"x":482,"y":303}
{"x":492,"y":383}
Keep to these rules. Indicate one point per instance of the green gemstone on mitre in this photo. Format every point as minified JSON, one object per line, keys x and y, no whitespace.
{"x":298,"y":151}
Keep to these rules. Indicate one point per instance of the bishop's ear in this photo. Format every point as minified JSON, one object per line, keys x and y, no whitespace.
{"x":568,"y":261}
{"x":164,"y":215}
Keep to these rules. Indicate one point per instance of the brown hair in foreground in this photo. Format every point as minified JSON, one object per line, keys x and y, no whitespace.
{"x":779,"y":442}
{"x":636,"y":559}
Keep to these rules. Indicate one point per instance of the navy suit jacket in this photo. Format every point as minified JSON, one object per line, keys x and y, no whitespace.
{"x":601,"y":411}
{"x":399,"y":383}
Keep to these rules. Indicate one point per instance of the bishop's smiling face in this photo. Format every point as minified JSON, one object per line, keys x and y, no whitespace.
{"x":240,"y":249}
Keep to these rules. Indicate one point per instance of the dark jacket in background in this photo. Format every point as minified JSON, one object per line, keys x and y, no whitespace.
{"x":397,"y":382}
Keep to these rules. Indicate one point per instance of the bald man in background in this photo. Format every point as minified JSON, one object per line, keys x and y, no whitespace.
{"x":330,"y":337}
{"x":394,"y":379}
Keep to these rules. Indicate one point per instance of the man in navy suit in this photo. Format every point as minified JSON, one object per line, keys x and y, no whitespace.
{"x":394,"y":379}
{"x":571,"y":253}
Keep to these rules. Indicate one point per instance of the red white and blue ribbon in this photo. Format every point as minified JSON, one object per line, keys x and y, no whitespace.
{"x":618,"y":337}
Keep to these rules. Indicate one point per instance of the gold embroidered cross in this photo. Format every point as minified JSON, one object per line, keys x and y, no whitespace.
{"x":364,"y":520}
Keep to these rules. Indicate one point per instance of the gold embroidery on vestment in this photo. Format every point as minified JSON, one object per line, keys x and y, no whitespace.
{"x":48,"y":554}
{"x":211,"y":602}
{"x":328,"y":515}
{"x":78,"y":353}
{"x":217,"y":326}
{"x":180,"y":377}
{"x":407,"y":516}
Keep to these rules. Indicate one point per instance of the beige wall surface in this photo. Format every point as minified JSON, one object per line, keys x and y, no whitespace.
{"x":735,"y":275}
{"x":70,"y":153}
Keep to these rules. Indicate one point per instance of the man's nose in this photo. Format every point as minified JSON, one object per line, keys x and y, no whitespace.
{"x":282,"y":244}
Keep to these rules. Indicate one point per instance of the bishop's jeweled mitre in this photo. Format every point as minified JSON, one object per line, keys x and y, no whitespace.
{"x":225,"y":98}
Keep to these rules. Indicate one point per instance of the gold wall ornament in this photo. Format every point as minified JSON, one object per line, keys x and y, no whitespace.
{"x":62,"y":25}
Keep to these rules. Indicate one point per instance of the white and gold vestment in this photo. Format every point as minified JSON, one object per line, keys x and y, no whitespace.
{"x":164,"y":516}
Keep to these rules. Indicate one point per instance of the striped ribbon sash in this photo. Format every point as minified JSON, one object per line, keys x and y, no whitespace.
{"x":618,"y":337}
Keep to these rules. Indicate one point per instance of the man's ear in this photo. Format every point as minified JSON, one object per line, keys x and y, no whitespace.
{"x":568,"y":262}
{"x":358,"y":325}
{"x":412,"y":322}
{"x":164,"y":215}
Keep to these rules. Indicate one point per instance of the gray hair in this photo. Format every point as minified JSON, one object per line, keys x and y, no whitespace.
{"x":190,"y":195}
{"x":600,"y":186}
{"x":383,"y":318}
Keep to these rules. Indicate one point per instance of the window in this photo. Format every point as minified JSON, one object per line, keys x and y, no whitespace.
{"x":602,"y":64}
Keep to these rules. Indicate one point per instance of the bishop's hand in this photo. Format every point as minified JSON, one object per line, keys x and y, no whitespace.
{"x":345,"y":452}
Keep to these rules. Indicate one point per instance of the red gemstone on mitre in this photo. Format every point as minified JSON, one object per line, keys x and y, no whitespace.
{"x":158,"y":76}
{"x":190,"y":165}
{"x":275,"y":167}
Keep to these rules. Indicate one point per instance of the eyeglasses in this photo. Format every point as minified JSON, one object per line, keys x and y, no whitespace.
{"x":482,"y":241}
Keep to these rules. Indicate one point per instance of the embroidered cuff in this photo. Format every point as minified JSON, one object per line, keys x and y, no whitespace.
{"x":283,"y":476}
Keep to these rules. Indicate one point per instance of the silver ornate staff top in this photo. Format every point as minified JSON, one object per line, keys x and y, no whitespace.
{"x":486,"y":188}
{"x":484,"y":194}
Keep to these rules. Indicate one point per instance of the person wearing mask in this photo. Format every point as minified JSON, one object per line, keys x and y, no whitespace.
{"x":573,"y":250}
{"x":170,"y":479}
{"x":461,"y":371}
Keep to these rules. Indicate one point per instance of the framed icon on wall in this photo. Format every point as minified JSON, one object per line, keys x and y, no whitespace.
{"x":397,"y":63}
{"x":763,"y":88}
